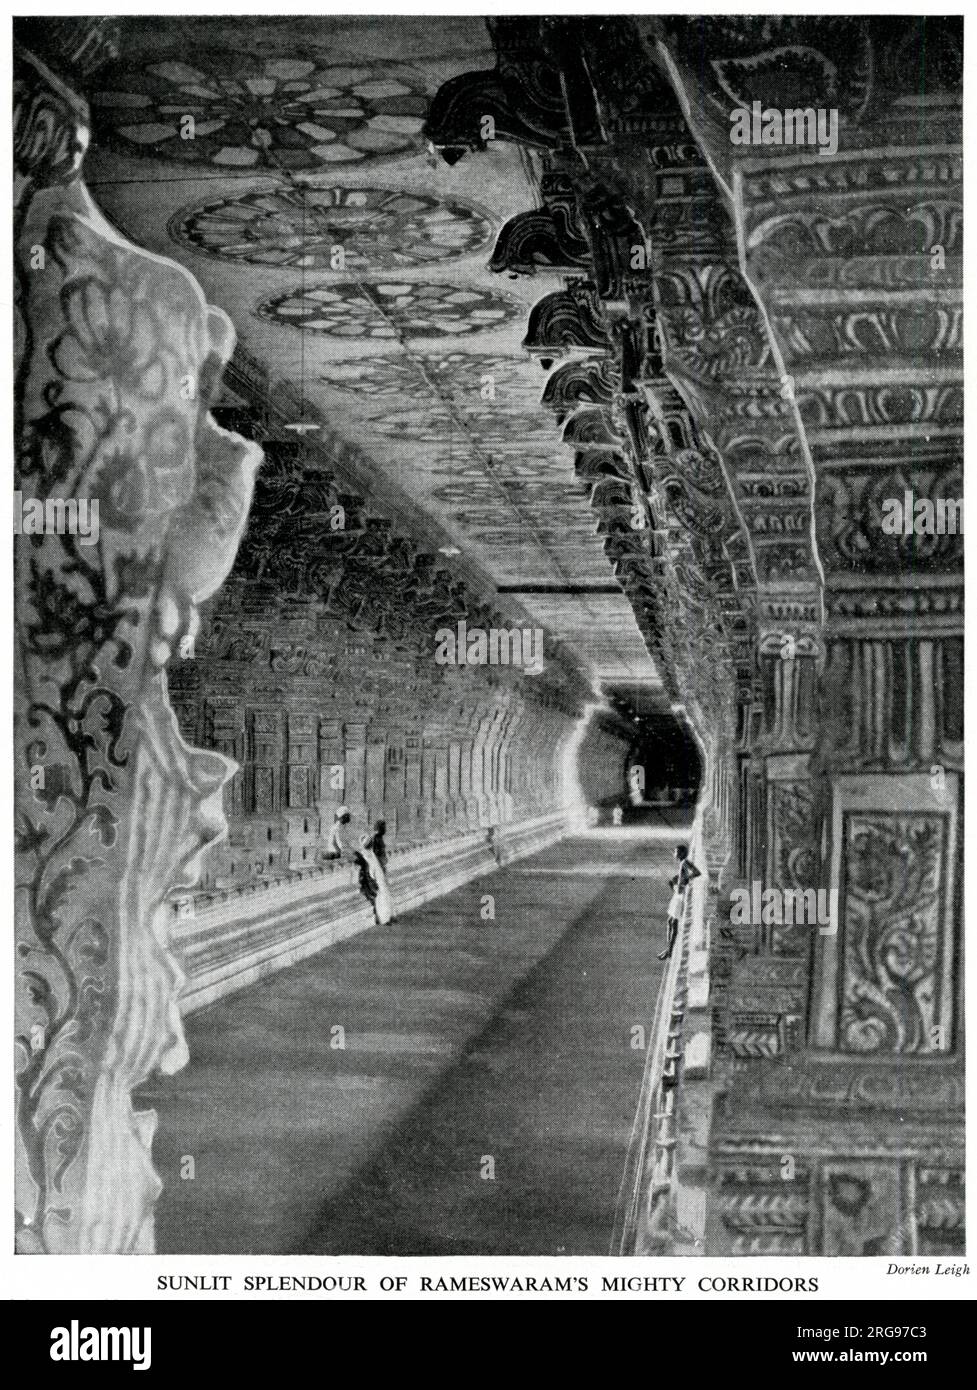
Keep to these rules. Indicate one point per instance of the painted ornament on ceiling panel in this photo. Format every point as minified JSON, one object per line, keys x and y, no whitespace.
{"x":240,"y":111}
{"x":351,"y":229}
{"x":390,"y":310}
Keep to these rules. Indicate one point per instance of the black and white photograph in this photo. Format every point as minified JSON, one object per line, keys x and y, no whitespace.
{"x":488,"y":643}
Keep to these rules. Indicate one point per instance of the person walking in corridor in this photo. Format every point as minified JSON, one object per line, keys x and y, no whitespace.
{"x":373,"y":880}
{"x":678,"y":883}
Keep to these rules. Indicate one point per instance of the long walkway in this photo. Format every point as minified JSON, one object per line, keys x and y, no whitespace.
{"x":453,"y":1083}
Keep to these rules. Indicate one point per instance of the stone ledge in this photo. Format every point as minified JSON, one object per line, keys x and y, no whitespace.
{"x":699,"y":991}
{"x":227,"y":945}
{"x":698,"y":1051}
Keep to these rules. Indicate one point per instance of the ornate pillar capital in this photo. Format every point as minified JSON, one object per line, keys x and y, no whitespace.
{"x":133,"y":502}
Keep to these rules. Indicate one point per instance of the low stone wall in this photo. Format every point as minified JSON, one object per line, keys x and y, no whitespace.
{"x":227,"y":939}
{"x":653,"y":1188}
{"x":695,"y":1097}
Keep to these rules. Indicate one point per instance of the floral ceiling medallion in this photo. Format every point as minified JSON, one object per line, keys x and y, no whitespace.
{"x":360,"y":229}
{"x":390,"y":310}
{"x":506,"y":383}
{"x":427,"y":421}
{"x":241,"y":111}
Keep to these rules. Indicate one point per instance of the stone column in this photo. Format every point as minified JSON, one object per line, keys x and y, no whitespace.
{"x":428,"y":754}
{"x":479,"y":786}
{"x":117,"y":356}
{"x":468,"y":805}
{"x":412,"y":781}
{"x":393,"y":781}
{"x":455,"y":794}
{"x":440,"y":809}
{"x":854,"y":255}
{"x":509,"y":751}
{"x":376,"y":759}
{"x":355,"y":760}
{"x":492,"y":747}
{"x":331,"y":765}
{"x":789,"y":730}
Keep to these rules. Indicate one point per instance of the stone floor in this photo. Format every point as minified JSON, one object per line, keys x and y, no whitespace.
{"x":482,"y":1099}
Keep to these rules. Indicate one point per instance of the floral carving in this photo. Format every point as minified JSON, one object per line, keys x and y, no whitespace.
{"x":112,"y":808}
{"x":894,"y":939}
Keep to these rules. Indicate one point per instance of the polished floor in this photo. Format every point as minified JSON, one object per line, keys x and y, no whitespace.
{"x":453,"y":1083}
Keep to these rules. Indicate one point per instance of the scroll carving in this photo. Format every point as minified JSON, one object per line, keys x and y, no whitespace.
{"x":112,"y":808}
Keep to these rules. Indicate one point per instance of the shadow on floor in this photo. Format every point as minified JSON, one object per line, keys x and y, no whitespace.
{"x":482,"y":1097}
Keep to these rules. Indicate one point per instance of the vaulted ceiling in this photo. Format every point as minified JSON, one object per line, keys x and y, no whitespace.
{"x":354,"y":266}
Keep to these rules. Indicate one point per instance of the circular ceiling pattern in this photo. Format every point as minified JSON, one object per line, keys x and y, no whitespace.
{"x":428,"y":421}
{"x":371,"y":229}
{"x":469,"y":487}
{"x":501,"y":382}
{"x":389,"y":310}
{"x":243,"y":111}
{"x":377,"y":378}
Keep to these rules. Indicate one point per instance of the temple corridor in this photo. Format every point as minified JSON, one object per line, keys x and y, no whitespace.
{"x":465,"y":1039}
{"x":455,"y":448}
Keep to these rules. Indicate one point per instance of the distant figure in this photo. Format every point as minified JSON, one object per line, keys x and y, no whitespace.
{"x":617,"y":815}
{"x":380,"y":850}
{"x":380,"y":843}
{"x":686,"y":873}
{"x":373,"y":881}
{"x":334,"y":848}
{"x":636,"y":780}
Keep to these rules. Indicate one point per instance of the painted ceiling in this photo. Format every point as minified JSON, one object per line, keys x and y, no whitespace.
{"x":281,"y":161}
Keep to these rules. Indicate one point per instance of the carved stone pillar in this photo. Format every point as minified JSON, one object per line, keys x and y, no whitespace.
{"x":468,"y":801}
{"x":789,"y":679}
{"x":412,"y":778}
{"x":301,"y":755}
{"x":332,"y":772}
{"x":394,"y":777}
{"x":355,"y":760}
{"x":225,"y":732}
{"x":376,"y":759}
{"x":118,"y":354}
{"x":509,"y":752}
{"x":490,"y":758}
{"x":478,"y":764}
{"x":428,"y":781}
{"x":454,"y":780}
{"x":439,"y":785}
{"x":267,"y":761}
{"x":506,"y":729}
{"x":854,"y":254}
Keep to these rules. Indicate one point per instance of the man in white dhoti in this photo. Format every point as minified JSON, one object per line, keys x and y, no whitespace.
{"x":373,"y":880}
{"x":686,"y":873}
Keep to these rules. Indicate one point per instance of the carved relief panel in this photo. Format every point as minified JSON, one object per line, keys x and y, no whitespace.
{"x":884,"y":982}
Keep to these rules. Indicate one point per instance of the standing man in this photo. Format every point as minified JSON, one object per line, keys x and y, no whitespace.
{"x":687,"y":871}
{"x":334,"y":848}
